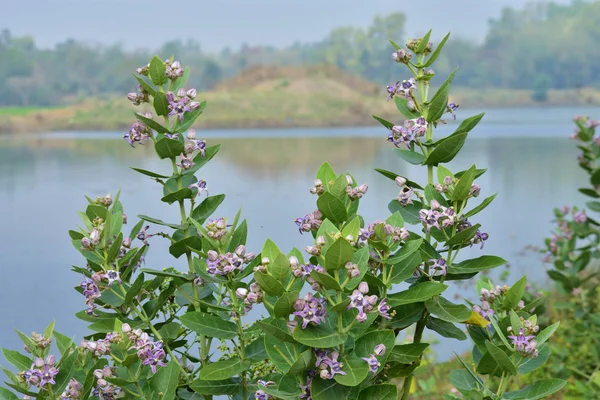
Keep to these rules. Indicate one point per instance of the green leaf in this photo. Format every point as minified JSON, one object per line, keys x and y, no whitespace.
{"x":170,"y":330}
{"x":21,"y":362}
{"x":239,"y":237}
{"x":338,"y":189}
{"x":501,"y":358}
{"x":277,"y":328}
{"x":305,"y":361}
{"x":256,"y":350}
{"x":186,"y":244}
{"x":402,"y":105}
{"x":392,"y":175}
{"x":325,"y":280}
{"x":189,"y":118}
{"x":338,"y":254}
{"x":215,"y":388}
{"x":180,"y":82}
{"x":320,"y":336}
{"x":152,"y":124}
{"x":410,"y":212}
{"x":446,"y":149}
{"x":387,"y":124}
{"x":463,"y":380}
{"x":329,"y":389}
{"x":379,"y":392}
{"x":161,"y":104}
{"x":448,"y":311}
{"x":418,"y":293}
{"x":134,"y":289}
{"x":439,"y":101}
{"x":423,"y":43}
{"x":405,"y":251}
{"x":407,"y":315}
{"x":469,"y":123}
{"x":168,"y":148}
{"x":166,"y":380}
{"x":356,"y":370}
{"x":208,"y":206}
{"x":481,"y":206}
{"x":145,"y":85}
{"x":443,"y":172}
{"x":595,"y":177}
{"x":361,"y":259}
{"x":269,"y":284}
{"x":538,"y":390}
{"x":332,"y":207}
{"x":463,"y":186}
{"x":463,"y":236}
{"x":149,"y":173}
{"x":223,"y":369}
{"x":589,"y":192}
{"x":477,"y":264}
{"x":351,"y":227}
{"x":63,"y":342}
{"x":394,"y":44}
{"x":545,"y":334}
{"x":326,"y":174}
{"x":446,"y":329}
{"x":436,"y":52}
{"x":209,"y":325}
{"x":181,"y":194}
{"x":530,"y":364}
{"x":6,"y":394}
{"x":157,"y":71}
{"x":404,"y":269}
{"x":67,"y":368}
{"x":407,"y":353}
{"x":284,"y":306}
{"x":410,"y":156}
{"x":281,"y":354}
{"x":511,"y":298}
{"x":279,"y":268}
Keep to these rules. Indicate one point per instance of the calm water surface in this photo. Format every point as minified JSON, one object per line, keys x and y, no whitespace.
{"x":44,"y":178}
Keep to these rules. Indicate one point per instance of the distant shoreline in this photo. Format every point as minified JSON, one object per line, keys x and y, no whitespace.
{"x":273,"y":108}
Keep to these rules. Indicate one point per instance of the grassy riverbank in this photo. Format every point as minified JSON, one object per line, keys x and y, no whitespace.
{"x":274,"y":97}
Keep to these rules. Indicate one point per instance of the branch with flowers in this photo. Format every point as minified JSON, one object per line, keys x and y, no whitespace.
{"x":334,"y":311}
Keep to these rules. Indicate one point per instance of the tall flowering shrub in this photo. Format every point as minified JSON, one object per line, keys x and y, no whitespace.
{"x":333,"y":312}
{"x":572,"y":253}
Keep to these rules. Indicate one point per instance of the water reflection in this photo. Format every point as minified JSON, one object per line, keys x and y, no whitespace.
{"x":44,"y":180}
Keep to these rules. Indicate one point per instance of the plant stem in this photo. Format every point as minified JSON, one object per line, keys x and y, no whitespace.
{"x":418,"y":335}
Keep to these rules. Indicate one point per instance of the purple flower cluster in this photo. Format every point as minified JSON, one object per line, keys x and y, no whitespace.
{"x":173,"y":70}
{"x":228,"y":263}
{"x":327,"y":363}
{"x":254,"y":296}
{"x":194,"y":144}
{"x":317,"y":248}
{"x":91,"y":293}
{"x":438,"y":265}
{"x":306,"y":395}
{"x":41,"y":373}
{"x":138,"y":132}
{"x":402,"y":56}
{"x":186,"y":161}
{"x":583,"y":123}
{"x":409,"y":132}
{"x":437,"y":216}
{"x":260,"y":394}
{"x":90,"y":243}
{"x":181,"y":103}
{"x":404,"y":88}
{"x":100,"y":347}
{"x":374,"y":364}
{"x":74,"y":390}
{"x":311,"y":310}
{"x":404,"y":197}
{"x":151,"y":353}
{"x":105,"y":390}
{"x":480,"y":237}
{"x":524,"y":344}
{"x":413,"y":44}
{"x":143,"y":235}
{"x":318,"y":188}
{"x":445,"y":187}
{"x":303,"y":271}
{"x":397,"y":234}
{"x":355,"y":193}
{"x":451,"y":108}
{"x":139,"y":97}
{"x":352,"y":270}
{"x":199,"y":187}
{"x":40,"y":341}
{"x":362,"y":302}
{"x":217,"y":228}
{"x":310,"y":222}
{"x":564,"y":231}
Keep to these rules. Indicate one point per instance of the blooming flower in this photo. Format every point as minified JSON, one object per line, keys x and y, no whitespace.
{"x":439,"y":265}
{"x":138,"y":133}
{"x":42,"y":372}
{"x":384,"y":308}
{"x":178,"y":106}
{"x":311,"y":310}
{"x":327,"y":363}
{"x":362,"y":302}
{"x":310,"y":222}
{"x":374,"y":364}
{"x":524,"y":344}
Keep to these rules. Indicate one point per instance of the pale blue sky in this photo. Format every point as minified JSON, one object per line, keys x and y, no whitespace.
{"x":219,"y":23}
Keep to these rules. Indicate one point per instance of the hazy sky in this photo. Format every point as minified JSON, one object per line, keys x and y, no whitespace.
{"x":219,"y":23}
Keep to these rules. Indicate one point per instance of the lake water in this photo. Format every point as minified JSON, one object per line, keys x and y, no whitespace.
{"x":531,"y":164}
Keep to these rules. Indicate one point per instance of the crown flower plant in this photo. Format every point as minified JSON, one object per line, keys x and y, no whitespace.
{"x":323,"y":322}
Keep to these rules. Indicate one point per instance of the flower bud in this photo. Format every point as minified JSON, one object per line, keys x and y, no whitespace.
{"x":126,"y":243}
{"x":240,"y":250}
{"x":363,"y":188}
{"x":194,"y":105}
{"x":388,"y":229}
{"x":181,"y":92}
{"x":294,"y":263}
{"x":95,"y":236}
{"x":400,"y":181}
{"x":50,"y":360}
{"x":212,"y":255}
{"x":475,"y":189}
{"x":241,"y":293}
{"x":434,"y":204}
{"x":363,"y":287}
{"x":372,"y":300}
{"x":265,"y":261}
{"x":439,"y":188}
{"x":126,"y":328}
{"x":221,"y":223}
{"x":133,"y":97}
{"x":192,"y":93}
{"x":324,"y":374}
{"x":355,"y":273}
{"x":313,"y":250}
{"x":379,"y":349}
{"x":249,"y":257}
{"x":39,"y":362}
{"x":321,"y":241}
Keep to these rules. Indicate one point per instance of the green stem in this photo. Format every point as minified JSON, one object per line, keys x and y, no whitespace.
{"x":418,"y":336}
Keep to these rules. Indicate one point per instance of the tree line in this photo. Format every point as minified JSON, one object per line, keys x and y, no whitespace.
{"x":539,"y":47}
